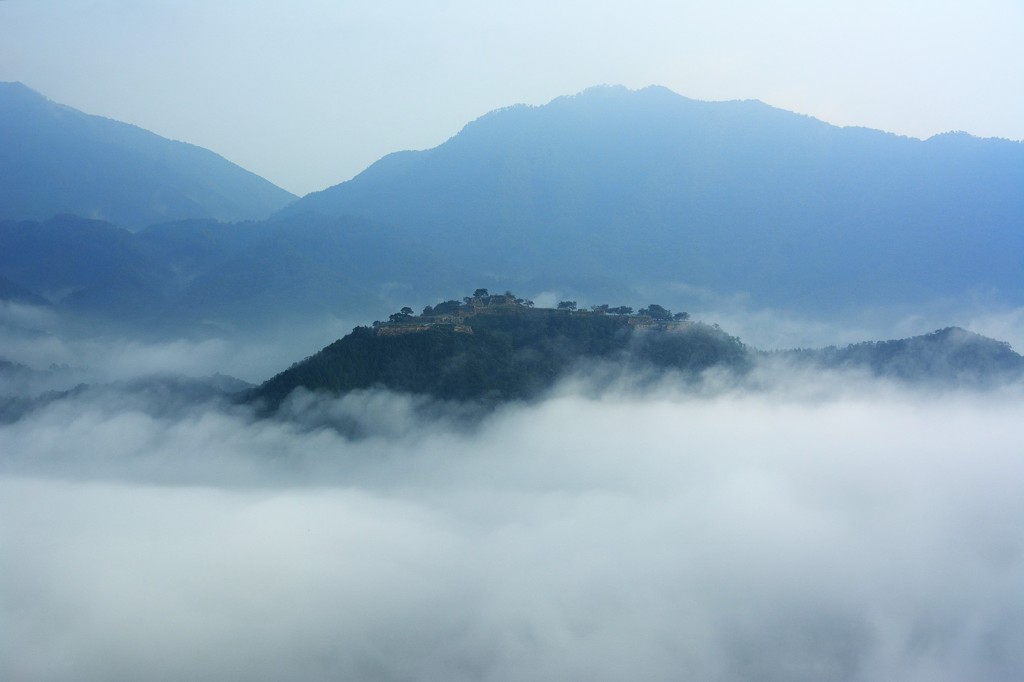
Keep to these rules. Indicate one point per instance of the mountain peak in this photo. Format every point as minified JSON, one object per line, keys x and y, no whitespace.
{"x":55,"y":159}
{"x":18,"y":87}
{"x":17,"y":94}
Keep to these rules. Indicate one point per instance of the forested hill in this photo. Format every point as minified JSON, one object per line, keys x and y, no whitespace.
{"x":497,"y":348}
{"x":494,"y":348}
{"x":945,"y":357}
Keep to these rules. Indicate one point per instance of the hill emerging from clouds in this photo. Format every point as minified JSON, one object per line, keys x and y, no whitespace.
{"x":55,"y":159}
{"x":489,"y":349}
{"x":497,"y":348}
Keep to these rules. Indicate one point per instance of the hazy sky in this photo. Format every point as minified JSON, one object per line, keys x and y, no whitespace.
{"x":310,"y":92}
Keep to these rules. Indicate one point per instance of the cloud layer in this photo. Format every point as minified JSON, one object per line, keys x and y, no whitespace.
{"x":823,"y":532}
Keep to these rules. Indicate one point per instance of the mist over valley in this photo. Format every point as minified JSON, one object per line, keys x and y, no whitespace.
{"x":831,"y":526}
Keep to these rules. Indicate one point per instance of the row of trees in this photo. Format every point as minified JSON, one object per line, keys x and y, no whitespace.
{"x":653,"y":311}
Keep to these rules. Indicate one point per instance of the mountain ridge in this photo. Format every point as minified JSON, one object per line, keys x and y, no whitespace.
{"x":731,"y":196}
{"x":55,"y":159}
{"x":947,"y":356}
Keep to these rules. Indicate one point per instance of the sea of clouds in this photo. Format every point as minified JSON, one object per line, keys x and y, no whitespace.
{"x":795,"y":526}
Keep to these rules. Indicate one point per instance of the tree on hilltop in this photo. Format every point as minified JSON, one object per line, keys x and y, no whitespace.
{"x":446,"y":308}
{"x":656,"y":312}
{"x":403,"y":314}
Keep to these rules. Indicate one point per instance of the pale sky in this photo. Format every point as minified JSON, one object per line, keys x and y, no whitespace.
{"x":308,"y":93}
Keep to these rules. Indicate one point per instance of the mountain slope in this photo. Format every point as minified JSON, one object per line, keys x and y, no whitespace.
{"x":54,"y":159}
{"x":14,"y":293}
{"x":288,"y":269}
{"x":169,"y":277}
{"x":85,"y":265}
{"x":613,"y":189}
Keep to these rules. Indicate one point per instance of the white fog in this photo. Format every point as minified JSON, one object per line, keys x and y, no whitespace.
{"x":819,"y":528}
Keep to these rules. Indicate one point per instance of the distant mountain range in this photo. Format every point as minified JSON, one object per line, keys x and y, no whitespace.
{"x":54,"y":160}
{"x":600,"y":196}
{"x":614,"y":189}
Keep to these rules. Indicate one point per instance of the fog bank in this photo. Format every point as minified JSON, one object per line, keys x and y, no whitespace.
{"x":829,"y":531}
